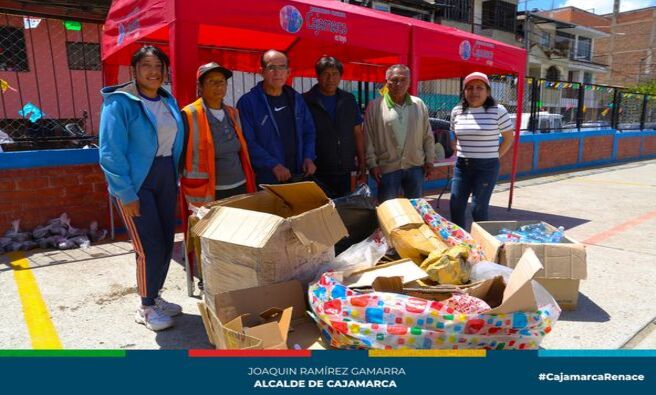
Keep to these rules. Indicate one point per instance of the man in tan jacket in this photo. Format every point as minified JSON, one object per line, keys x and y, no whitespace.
{"x":400,"y":143}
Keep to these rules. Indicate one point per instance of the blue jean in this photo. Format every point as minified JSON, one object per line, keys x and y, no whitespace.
{"x":475,"y":177}
{"x":409,"y":180}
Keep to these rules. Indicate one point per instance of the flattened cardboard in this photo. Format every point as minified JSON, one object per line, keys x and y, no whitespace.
{"x":241,"y":227}
{"x":405,"y":269}
{"x":517,"y":295}
{"x":397,"y":214}
{"x":326,"y":232}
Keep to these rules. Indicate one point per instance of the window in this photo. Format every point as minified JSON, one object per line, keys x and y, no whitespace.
{"x":457,"y":10}
{"x":83,"y":56}
{"x":13,"y":54}
{"x":553,"y":74}
{"x":587,"y":77}
{"x":499,"y":15}
{"x":545,"y":39}
{"x":411,"y":13}
{"x":564,"y":43}
{"x":584,"y":49}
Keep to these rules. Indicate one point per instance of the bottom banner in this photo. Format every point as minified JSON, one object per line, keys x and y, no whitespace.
{"x":335,"y":372}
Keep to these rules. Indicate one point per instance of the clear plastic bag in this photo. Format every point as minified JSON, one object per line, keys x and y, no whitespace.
{"x":65,"y":244}
{"x":81,"y":241}
{"x":15,"y":233}
{"x":95,"y":234}
{"x":360,"y":256}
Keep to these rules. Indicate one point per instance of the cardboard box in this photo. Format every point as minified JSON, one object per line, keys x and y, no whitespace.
{"x":270,"y":317}
{"x":281,"y":233}
{"x":564,"y":263}
{"x":504,"y":298}
{"x":406,"y":231}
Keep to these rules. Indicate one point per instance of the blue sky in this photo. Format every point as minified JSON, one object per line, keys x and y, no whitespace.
{"x":596,"y":6}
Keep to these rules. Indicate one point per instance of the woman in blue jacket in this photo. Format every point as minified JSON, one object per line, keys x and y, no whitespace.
{"x":141,"y":139}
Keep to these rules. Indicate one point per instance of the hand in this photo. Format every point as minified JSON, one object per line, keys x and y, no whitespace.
{"x":376,"y":173}
{"x":281,"y":173}
{"x":132,"y":209}
{"x":309,"y":167}
{"x":361,"y":177}
{"x":429,"y":171}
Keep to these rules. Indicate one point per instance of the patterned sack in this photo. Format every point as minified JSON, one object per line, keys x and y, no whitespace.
{"x":449,"y":232}
{"x":379,"y":320}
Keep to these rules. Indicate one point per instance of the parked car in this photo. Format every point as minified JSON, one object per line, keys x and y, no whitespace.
{"x":442,"y":133}
{"x":587,"y":126}
{"x":547,"y":122}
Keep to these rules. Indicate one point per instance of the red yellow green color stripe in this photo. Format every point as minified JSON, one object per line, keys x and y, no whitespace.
{"x":62,"y":353}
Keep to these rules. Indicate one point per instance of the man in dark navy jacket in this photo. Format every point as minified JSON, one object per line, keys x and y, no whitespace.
{"x":277,"y":125}
{"x":338,"y":123}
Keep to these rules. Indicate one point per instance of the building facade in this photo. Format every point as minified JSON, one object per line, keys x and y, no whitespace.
{"x":491,"y":18}
{"x":50,"y":68}
{"x":559,"y":50}
{"x":629,"y":49}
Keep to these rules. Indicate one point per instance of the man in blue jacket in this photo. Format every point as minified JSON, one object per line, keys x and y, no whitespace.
{"x":277,"y":125}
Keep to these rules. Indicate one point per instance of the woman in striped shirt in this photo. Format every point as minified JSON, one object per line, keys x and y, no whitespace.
{"x":477,"y":122}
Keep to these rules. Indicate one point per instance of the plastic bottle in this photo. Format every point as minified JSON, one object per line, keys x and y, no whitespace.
{"x":557,"y":235}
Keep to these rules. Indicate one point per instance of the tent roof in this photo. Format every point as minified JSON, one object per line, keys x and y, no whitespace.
{"x":235,"y":33}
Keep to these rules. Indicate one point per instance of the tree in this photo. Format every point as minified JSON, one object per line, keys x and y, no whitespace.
{"x":647,"y":88}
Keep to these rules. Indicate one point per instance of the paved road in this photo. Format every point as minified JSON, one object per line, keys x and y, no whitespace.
{"x":89,"y":295}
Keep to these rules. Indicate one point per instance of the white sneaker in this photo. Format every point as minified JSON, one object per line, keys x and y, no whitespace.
{"x":168,"y":308}
{"x":153,"y":318}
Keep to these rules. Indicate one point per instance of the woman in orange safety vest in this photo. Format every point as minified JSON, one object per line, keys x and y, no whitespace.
{"x":217,"y":165}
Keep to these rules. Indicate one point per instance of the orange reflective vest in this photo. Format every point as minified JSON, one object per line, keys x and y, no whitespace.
{"x":199,"y":174}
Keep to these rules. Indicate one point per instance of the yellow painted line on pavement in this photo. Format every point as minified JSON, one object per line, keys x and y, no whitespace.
{"x":427,"y":353}
{"x":37,"y":318}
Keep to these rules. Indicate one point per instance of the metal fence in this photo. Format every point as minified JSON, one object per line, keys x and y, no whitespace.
{"x":50,"y":77}
{"x":553,"y":106}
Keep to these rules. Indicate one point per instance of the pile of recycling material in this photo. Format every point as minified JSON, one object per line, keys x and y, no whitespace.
{"x":404,"y":277}
{"x":462,"y":302}
{"x":57,"y":233}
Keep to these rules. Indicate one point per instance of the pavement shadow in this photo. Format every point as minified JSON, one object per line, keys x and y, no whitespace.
{"x":188,"y":333}
{"x":587,"y":311}
{"x":497,"y":213}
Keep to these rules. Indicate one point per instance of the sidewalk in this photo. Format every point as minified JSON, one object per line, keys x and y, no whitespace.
{"x":89,"y":295}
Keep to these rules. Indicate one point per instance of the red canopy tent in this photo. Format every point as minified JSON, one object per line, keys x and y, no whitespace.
{"x":235,"y":33}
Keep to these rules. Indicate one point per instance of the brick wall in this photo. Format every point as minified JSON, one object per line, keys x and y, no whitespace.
{"x":558,"y":153}
{"x":628,"y":147}
{"x":649,"y":147}
{"x":597,"y":148}
{"x":441,"y":173}
{"x":524,"y":160}
{"x":35,"y":195}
